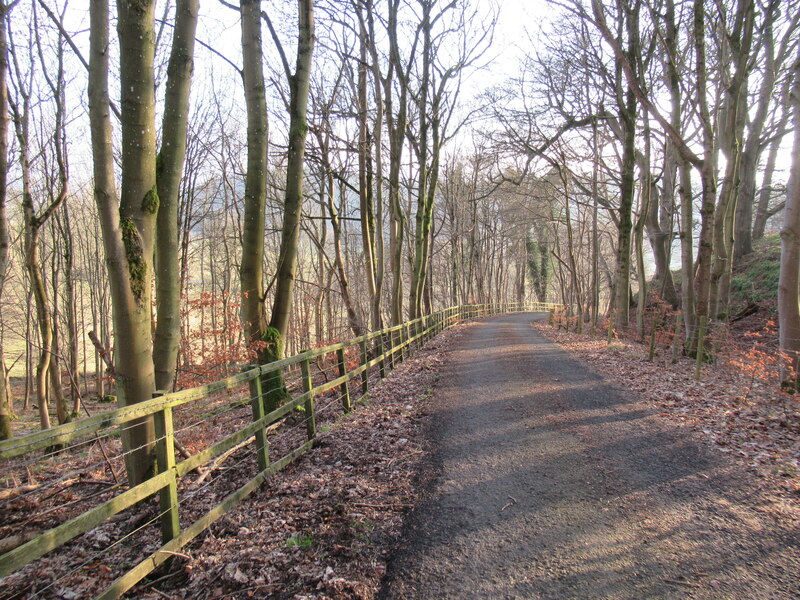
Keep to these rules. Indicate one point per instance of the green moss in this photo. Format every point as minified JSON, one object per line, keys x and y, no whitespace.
{"x":300,"y":541}
{"x":274,"y":344}
{"x":272,"y":383}
{"x":756,"y":278}
{"x":150,"y":202}
{"x":134,"y":253}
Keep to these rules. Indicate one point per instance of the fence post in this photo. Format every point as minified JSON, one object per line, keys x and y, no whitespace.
{"x":676,"y":336}
{"x":382,"y":361}
{"x":311,"y":423}
{"x":343,"y":373}
{"x":700,"y":348}
{"x":391,"y":349}
{"x":257,"y":405}
{"x":165,"y":461}
{"x":365,"y":372}
{"x":651,"y":347}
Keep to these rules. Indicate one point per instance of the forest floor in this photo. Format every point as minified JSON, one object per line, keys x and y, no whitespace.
{"x":495,"y":463}
{"x":325,"y":526}
{"x":548,"y":480}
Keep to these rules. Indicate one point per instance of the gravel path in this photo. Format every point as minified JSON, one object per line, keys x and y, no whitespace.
{"x":547,"y":483}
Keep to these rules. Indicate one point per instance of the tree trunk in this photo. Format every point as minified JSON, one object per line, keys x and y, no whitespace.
{"x":396,"y":125}
{"x":622,"y":302}
{"x":763,"y":212}
{"x":365,"y":172}
{"x":377,"y":137}
{"x":789,"y":284}
{"x":293,"y":203}
{"x":255,"y":185}
{"x":128,"y":229}
{"x":748,"y":165}
{"x":71,"y":309}
{"x":344,"y":285}
{"x":627,"y":113}
{"x":43,"y":316}
{"x":707,"y":173}
{"x":731,"y":142}
{"x":168,"y":176}
{"x":6,"y":410}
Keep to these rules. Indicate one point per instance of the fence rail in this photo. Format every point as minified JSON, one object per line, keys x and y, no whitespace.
{"x":375,"y":353}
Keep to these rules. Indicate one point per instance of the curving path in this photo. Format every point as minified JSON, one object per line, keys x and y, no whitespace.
{"x":547,"y":483}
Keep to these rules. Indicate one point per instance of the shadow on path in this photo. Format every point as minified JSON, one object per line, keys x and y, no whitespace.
{"x":547,"y":483}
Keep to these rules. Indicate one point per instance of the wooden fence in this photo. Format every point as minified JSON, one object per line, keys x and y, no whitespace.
{"x":376,"y":353}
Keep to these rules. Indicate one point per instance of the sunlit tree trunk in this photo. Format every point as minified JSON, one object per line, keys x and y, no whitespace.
{"x":733,"y":114}
{"x":6,"y":411}
{"x":255,"y":183}
{"x":169,"y":171}
{"x":128,"y":227}
{"x":789,"y":283}
{"x":293,"y":202}
{"x":627,"y":113}
{"x":366,"y":174}
{"x":396,"y":126}
{"x":33,"y":221}
{"x":708,"y":177}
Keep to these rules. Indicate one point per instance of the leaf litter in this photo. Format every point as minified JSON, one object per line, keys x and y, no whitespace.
{"x":324,"y":527}
{"x":752,"y":421}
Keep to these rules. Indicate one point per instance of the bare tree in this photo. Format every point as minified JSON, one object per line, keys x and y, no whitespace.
{"x":789,"y":284}
{"x":6,"y":410}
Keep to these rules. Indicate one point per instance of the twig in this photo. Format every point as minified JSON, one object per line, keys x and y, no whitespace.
{"x":394,"y":506}
{"x":270,"y":586}
{"x":186,"y":556}
{"x":75,"y":481}
{"x":104,"y":354}
{"x":160,"y":579}
{"x":215,"y":465}
{"x":108,"y":460}
{"x":82,"y":499}
{"x":11,"y":493}
{"x":182,"y":449}
{"x":684,"y":583}
{"x":510,"y":504}
{"x":63,"y":486}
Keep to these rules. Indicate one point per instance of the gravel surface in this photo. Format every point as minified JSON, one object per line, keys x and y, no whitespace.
{"x":545,"y":482}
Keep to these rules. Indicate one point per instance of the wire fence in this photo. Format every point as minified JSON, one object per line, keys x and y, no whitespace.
{"x":74,"y":526}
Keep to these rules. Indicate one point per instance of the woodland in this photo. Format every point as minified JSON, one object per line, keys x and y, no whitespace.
{"x":192,"y":192}
{"x":189,"y":189}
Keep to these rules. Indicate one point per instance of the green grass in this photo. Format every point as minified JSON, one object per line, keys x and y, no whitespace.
{"x":362,"y":530}
{"x":300,"y":541}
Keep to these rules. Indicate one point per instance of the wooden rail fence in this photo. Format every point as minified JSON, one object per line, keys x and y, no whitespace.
{"x":380,"y":351}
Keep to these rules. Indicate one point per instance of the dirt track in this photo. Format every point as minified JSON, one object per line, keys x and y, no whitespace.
{"x":547,"y":483}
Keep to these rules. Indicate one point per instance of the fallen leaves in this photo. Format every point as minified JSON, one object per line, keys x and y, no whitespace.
{"x":758,"y":426}
{"x":325,"y":526}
